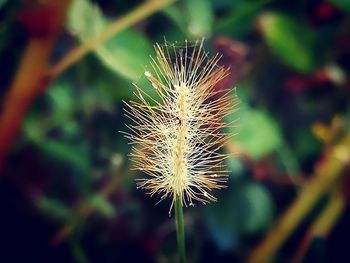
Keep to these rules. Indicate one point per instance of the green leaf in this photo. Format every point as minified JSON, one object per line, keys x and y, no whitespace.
{"x":342,"y":4}
{"x":62,"y":97}
{"x":126,"y":53}
{"x":103,"y":206}
{"x":291,"y":41}
{"x":64,"y":152}
{"x":111,"y":85}
{"x":55,"y":208}
{"x":2,"y":2}
{"x":63,"y":107}
{"x":306,"y":144}
{"x":260,"y":206}
{"x":194,"y":17}
{"x":200,"y":17}
{"x":175,"y":13}
{"x":258,"y":133}
{"x":235,"y":166}
{"x":241,"y":17}
{"x":248,"y":209}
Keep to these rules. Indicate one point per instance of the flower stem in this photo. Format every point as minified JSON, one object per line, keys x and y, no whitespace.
{"x":180,"y":230}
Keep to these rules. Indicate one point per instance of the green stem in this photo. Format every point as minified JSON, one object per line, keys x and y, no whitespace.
{"x":180,"y":229}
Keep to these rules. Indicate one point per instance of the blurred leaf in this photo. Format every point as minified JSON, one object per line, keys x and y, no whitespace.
{"x":342,"y":4}
{"x":175,"y":13}
{"x":78,"y":252}
{"x":116,"y":88}
{"x":200,"y":17}
{"x":64,"y":152}
{"x":102,"y":205}
{"x":291,"y":41}
{"x":248,"y":209}
{"x":226,"y":4}
{"x":63,"y":107}
{"x":258,"y":133}
{"x":242,"y":10}
{"x":60,"y":151}
{"x":259,"y":201}
{"x":235,"y":166}
{"x":195,"y":17}
{"x":55,"y":208}
{"x":60,"y":114}
{"x":126,"y":53}
{"x":31,"y":128}
{"x":39,"y":124}
{"x":2,"y":2}
{"x":224,"y":238}
{"x":62,"y":97}
{"x":306,"y":144}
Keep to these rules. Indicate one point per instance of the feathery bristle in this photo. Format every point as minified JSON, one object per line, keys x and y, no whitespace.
{"x":179,"y":135}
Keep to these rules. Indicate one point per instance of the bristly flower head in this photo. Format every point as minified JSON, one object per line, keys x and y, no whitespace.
{"x":180,"y":132}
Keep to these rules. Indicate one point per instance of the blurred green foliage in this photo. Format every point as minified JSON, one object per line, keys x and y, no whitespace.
{"x":121,"y":54}
{"x":289,"y":40}
{"x":342,"y":4}
{"x":70,"y":153}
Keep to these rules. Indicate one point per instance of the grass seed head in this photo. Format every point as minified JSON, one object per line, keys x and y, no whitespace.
{"x":179,"y":134}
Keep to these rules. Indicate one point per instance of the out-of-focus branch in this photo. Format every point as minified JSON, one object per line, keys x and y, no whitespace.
{"x":34,"y":74}
{"x":327,"y":174}
{"x":144,"y":10}
{"x":324,"y":222}
{"x":28,"y":81}
{"x":329,"y":216}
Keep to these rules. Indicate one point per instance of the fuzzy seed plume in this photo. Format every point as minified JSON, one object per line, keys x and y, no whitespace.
{"x":178,"y":134}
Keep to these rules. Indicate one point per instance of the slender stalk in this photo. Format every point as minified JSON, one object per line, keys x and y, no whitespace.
{"x":28,"y":81}
{"x":144,"y":10}
{"x":180,"y":229}
{"x":327,"y":174}
{"x":324,"y":223}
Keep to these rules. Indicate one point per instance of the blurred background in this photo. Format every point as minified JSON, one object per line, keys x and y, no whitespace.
{"x":67,"y":193}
